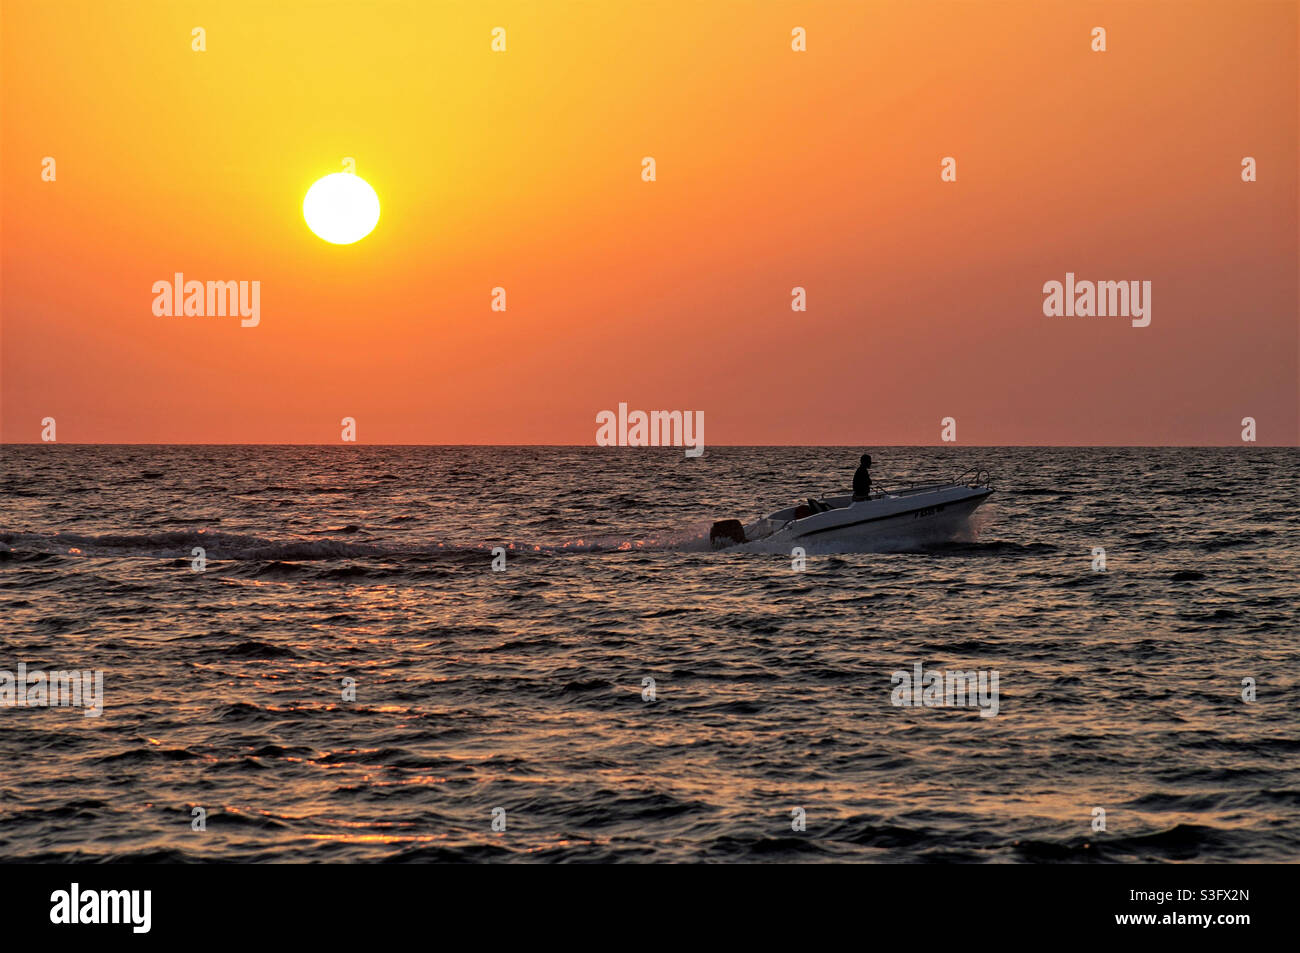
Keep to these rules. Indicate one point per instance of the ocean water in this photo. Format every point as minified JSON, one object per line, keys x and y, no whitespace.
{"x":524,"y":690}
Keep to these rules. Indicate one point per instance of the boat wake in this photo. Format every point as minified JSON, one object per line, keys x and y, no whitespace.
{"x":320,"y":545}
{"x":353,"y":541}
{"x":317,"y":547}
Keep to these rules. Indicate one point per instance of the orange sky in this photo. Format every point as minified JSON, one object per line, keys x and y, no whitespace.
{"x":775,"y":169}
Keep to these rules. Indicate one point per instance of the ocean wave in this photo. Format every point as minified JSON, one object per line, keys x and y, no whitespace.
{"x":351,"y":668}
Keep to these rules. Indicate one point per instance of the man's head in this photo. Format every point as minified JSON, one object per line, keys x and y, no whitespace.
{"x":866,"y":459}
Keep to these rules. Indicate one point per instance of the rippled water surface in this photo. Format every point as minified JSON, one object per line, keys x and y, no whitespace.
{"x":523,"y":689}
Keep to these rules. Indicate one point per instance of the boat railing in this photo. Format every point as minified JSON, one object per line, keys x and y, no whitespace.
{"x":974,"y":477}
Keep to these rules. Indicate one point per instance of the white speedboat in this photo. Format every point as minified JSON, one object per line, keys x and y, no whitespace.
{"x":930,"y":512}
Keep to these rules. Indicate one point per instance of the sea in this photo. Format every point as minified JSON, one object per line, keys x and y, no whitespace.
{"x":532,"y":654}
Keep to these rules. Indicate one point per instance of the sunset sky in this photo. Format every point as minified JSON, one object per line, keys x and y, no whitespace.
{"x":775,"y":169}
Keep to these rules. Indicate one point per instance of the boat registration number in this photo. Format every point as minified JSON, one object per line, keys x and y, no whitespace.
{"x":927,"y":511}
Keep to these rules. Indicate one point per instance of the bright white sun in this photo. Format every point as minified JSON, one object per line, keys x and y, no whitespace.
{"x":341,"y":208}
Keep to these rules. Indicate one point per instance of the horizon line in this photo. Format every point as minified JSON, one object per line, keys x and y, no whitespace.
{"x":579,"y":446}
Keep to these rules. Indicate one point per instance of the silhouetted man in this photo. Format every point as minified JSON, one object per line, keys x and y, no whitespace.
{"x":862,"y":479}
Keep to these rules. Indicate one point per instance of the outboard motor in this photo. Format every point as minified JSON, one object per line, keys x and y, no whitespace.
{"x":726,"y":533}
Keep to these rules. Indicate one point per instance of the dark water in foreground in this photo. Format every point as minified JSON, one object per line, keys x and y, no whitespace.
{"x":522,"y":689}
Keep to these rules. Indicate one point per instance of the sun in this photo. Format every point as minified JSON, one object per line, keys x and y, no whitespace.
{"x":341,"y":208}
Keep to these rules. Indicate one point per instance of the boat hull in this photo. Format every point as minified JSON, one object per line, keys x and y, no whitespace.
{"x":908,"y":517}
